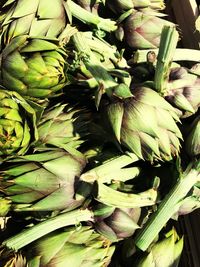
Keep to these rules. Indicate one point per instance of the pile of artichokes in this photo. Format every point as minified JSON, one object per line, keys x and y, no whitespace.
{"x":99,"y":134}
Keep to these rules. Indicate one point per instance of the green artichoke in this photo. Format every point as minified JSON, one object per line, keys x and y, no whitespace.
{"x":145,"y":124}
{"x":39,"y":18}
{"x":120,"y":6}
{"x":44,"y":181}
{"x":142,"y":30}
{"x":70,"y":247}
{"x":63,"y":124}
{"x":183,"y":91}
{"x":90,"y":5}
{"x":33,"y":67}
{"x":166,"y":252}
{"x":116,"y":223}
{"x":17,"y":124}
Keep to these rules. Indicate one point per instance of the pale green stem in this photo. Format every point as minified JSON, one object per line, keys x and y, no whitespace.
{"x":169,"y":205}
{"x":113,"y":170}
{"x":90,"y":18}
{"x":168,"y":43}
{"x":115,"y":198}
{"x":181,"y":54}
{"x":33,"y":233}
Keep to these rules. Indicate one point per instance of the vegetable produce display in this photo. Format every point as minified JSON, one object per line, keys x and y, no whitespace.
{"x":99,"y":134}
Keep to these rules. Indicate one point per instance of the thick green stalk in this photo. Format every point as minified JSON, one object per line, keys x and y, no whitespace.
{"x":33,"y":233}
{"x":89,"y":18}
{"x":113,"y":170}
{"x":115,"y":198}
{"x":168,"y":42}
{"x":169,"y":205}
{"x":181,"y":54}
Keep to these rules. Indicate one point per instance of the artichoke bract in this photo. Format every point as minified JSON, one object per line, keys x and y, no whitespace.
{"x":39,"y":18}
{"x":142,"y":30}
{"x":17,"y":124}
{"x":116,"y":223}
{"x":33,"y":67}
{"x":45,"y":181}
{"x":119,"y":6}
{"x":165,"y":252}
{"x":145,"y":124}
{"x":192,"y":141}
{"x":71,"y":247}
{"x":63,"y":124}
{"x":183,"y":91}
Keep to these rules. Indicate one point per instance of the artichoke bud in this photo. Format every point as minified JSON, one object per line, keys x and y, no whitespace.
{"x":44,"y":181}
{"x":142,"y":30}
{"x":183,"y":91}
{"x":17,"y":124}
{"x":63,"y":124}
{"x":165,"y":252}
{"x":120,"y":6}
{"x":145,"y":124}
{"x":71,"y":247}
{"x":192,"y":141}
{"x":37,"y":19}
{"x":33,"y":67}
{"x":116,"y":223}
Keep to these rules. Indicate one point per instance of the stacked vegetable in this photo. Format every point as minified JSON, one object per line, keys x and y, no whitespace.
{"x":99,"y":134}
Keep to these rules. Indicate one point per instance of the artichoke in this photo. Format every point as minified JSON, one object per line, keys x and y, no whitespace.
{"x":192,"y":141}
{"x":120,"y":6}
{"x":142,"y":29}
{"x":39,"y":18}
{"x":33,"y":67}
{"x":17,"y":124}
{"x":90,"y":5}
{"x":145,"y":124}
{"x":116,"y":223}
{"x":44,"y":181}
{"x":63,"y":124}
{"x":77,"y":247}
{"x":166,"y":252}
{"x":183,"y":91}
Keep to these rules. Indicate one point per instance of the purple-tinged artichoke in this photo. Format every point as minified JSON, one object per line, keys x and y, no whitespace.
{"x":44,"y":181}
{"x":116,"y":223}
{"x":146,"y":124}
{"x":183,"y":91}
{"x":142,"y":30}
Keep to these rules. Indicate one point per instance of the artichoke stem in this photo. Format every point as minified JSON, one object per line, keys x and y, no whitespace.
{"x":169,"y":205}
{"x":181,"y":54}
{"x":104,"y":79}
{"x":168,"y":42}
{"x":112,"y":170}
{"x":31,"y":234}
{"x":90,"y":18}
